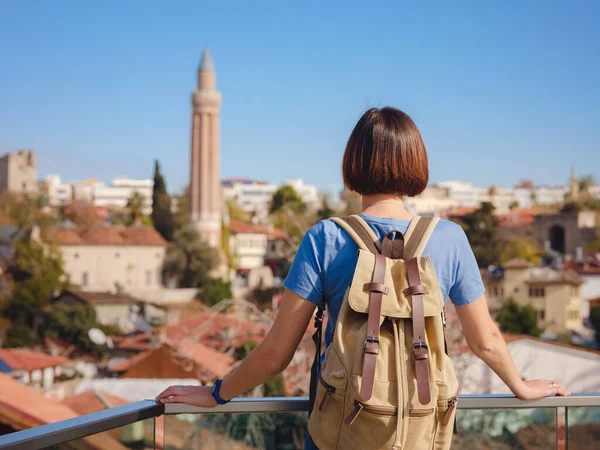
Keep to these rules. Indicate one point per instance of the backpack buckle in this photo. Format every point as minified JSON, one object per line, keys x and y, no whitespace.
{"x":371,"y":340}
{"x":420,"y":350}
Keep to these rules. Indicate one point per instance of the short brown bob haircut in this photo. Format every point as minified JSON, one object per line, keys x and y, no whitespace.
{"x":385,"y":155}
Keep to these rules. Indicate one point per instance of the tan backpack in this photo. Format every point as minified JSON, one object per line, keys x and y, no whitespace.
{"x":386,"y":381}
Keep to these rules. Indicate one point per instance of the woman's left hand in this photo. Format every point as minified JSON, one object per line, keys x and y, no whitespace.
{"x":190,"y":395}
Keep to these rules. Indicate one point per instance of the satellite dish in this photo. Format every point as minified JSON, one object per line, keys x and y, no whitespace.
{"x":97,"y":336}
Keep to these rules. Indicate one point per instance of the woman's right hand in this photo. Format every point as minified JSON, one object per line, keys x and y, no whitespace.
{"x":534,"y":389}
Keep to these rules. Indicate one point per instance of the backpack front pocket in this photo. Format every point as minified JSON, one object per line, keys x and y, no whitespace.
{"x":326,"y":418}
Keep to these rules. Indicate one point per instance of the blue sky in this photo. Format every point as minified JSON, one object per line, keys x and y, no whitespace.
{"x":500,"y":90}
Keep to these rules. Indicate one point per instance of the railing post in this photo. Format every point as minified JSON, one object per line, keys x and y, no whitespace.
{"x":159,"y":432}
{"x":560,"y":428}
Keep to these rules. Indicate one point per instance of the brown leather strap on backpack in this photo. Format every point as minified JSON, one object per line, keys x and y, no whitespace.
{"x":418,"y":324}
{"x":415,"y":238}
{"x":372,"y":245}
{"x":371,"y":345}
{"x":393,"y":245}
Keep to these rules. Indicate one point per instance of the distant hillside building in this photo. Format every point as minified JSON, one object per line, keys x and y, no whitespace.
{"x":555,"y":294}
{"x":111,"y":258}
{"x":115,"y":195}
{"x":18,"y":172}
{"x":254,"y":197}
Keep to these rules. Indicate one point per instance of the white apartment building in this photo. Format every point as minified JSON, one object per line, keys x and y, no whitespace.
{"x":116,"y":194}
{"x":254,"y":196}
{"x":433,"y":201}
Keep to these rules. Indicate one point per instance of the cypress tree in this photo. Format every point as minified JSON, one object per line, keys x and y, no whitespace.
{"x":162,"y":217}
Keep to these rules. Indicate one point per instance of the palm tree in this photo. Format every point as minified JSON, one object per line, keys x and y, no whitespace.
{"x":585,"y":183}
{"x":135,"y":207}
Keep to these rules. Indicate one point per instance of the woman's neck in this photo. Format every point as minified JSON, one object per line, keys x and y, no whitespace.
{"x":385,"y":205}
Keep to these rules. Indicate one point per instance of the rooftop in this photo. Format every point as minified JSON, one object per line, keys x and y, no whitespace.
{"x":93,"y":401}
{"x":237,"y":226}
{"x":19,"y":359}
{"x":101,"y":234}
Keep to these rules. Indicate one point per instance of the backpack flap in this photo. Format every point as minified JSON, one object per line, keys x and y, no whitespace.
{"x":395,"y":303}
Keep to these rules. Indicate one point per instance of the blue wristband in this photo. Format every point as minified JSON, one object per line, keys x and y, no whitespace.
{"x":215,"y":393}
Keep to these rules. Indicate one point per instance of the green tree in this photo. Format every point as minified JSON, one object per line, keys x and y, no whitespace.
{"x":594,"y":246}
{"x":135,"y":207}
{"x":181,"y":218}
{"x":516,"y":319}
{"x":71,"y":323}
{"x":235,"y":211}
{"x":36,"y":273}
{"x":595,"y":322}
{"x":492,"y":192}
{"x":214,"y":290}
{"x":286,"y":198}
{"x":189,"y":259}
{"x":533,"y":198}
{"x":274,"y":387}
{"x":516,"y":247}
{"x":482,"y":229}
{"x":513,"y":205}
{"x":585,"y":183}
{"x":325,"y":212}
{"x":20,"y":335}
{"x":162,"y":216}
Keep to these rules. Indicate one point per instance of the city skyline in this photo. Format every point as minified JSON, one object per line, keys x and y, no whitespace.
{"x":98,"y":94}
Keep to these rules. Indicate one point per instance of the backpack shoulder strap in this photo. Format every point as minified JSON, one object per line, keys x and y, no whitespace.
{"x":364,"y":239}
{"x":417,"y":236}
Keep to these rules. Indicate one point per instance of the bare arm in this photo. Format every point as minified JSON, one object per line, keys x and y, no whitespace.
{"x":267,"y":360}
{"x":485,"y":341}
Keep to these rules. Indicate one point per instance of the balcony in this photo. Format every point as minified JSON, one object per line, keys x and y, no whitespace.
{"x":485,"y":422}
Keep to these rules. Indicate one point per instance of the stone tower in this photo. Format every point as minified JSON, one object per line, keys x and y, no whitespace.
{"x":574,"y":191}
{"x":205,"y":207}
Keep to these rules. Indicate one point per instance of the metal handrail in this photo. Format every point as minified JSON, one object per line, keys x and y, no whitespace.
{"x":90,"y":424}
{"x":299,"y":404}
{"x":81,"y":427}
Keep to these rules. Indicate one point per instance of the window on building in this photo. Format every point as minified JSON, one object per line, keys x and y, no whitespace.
{"x":543,"y":314}
{"x":117,"y":255}
{"x":24,"y":187}
{"x":516,"y":290}
{"x":148,"y":277}
{"x":537,"y":292}
{"x":84,"y":279}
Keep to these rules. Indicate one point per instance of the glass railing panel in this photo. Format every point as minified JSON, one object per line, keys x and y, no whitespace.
{"x":255,"y":431}
{"x":583,"y":428}
{"x":503,"y":429}
{"x":138,"y":435}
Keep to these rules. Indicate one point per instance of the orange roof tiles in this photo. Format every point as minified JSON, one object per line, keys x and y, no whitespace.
{"x":237,"y":226}
{"x":102,"y":234}
{"x":19,"y":359}
{"x":92,"y":401}
{"x":22,"y":407}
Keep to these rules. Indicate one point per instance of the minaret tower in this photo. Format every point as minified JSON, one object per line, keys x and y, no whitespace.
{"x":205,"y":207}
{"x":574,"y":185}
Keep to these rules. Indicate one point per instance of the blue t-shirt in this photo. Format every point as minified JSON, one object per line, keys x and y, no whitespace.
{"x":324,"y":265}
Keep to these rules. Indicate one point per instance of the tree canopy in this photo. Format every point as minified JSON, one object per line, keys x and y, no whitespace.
{"x":516,"y":247}
{"x":482,"y":229}
{"x":162,"y":216}
{"x":517,"y":319}
{"x":189,"y":259}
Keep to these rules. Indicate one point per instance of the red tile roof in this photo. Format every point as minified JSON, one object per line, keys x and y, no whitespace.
{"x":237,"y":226}
{"x":216,"y":330}
{"x":519,"y":217}
{"x":22,"y":407}
{"x":19,"y":359}
{"x":589,"y":267}
{"x":100,"y":234}
{"x":93,"y":401}
{"x":129,"y":363}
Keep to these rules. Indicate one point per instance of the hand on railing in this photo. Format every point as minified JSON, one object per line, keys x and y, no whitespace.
{"x":535,"y":389}
{"x":190,"y":395}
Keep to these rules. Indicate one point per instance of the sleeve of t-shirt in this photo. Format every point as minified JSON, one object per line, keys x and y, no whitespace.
{"x":467,"y":285}
{"x":305,"y":277}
